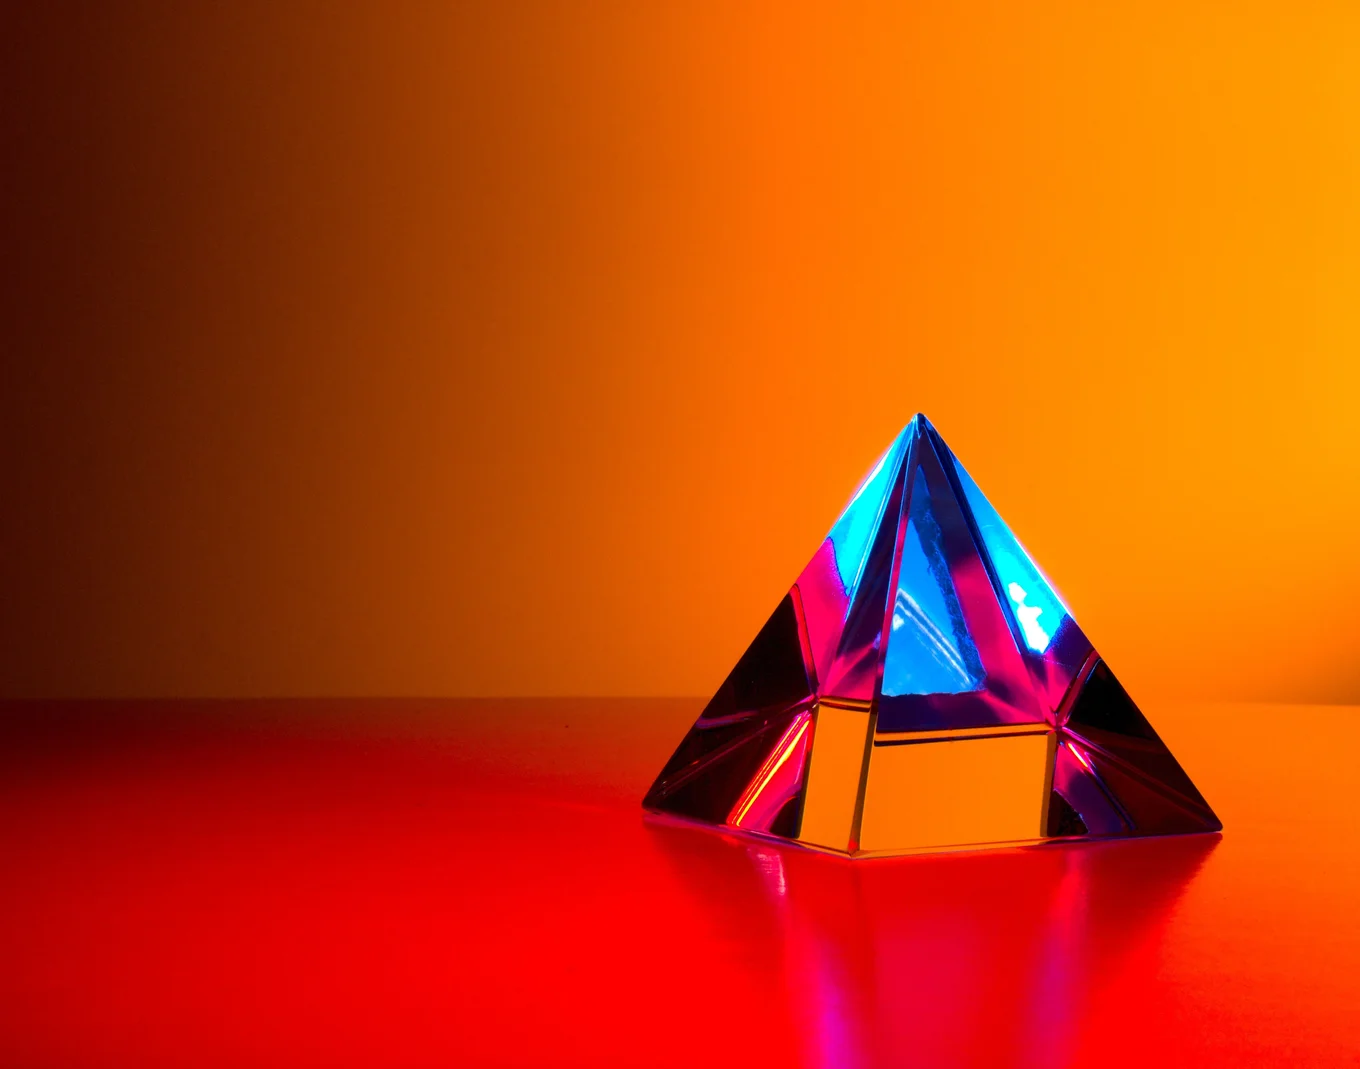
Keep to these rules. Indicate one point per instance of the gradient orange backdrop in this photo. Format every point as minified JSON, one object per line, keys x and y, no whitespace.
{"x":532,"y":349}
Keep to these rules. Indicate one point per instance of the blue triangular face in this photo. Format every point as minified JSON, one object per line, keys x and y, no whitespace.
{"x":929,"y":648}
{"x":854,"y":531}
{"x":1034,"y":605}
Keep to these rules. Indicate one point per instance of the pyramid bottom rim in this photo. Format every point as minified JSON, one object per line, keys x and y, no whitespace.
{"x":663,"y":818}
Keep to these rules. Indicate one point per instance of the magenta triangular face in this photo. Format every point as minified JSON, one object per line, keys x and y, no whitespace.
{"x":921,"y":619}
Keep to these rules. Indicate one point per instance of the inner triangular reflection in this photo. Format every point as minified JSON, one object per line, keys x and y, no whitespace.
{"x":930,"y":650}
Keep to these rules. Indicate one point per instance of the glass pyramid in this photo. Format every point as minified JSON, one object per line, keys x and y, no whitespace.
{"x":922,"y":687}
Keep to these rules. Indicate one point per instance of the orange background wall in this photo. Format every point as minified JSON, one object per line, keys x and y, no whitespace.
{"x":532,"y":349}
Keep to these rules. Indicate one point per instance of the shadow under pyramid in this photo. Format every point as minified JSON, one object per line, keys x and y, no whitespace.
{"x":922,"y":687}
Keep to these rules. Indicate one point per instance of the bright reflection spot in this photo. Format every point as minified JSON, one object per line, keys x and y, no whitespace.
{"x":771,"y":866}
{"x":1081,"y":757}
{"x":1031,"y":595}
{"x":1036,"y":638}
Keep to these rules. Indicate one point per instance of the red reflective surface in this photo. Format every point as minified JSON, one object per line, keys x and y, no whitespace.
{"x":473,"y":883}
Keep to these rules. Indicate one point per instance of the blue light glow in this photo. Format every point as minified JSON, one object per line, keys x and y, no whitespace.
{"x":929,"y":648}
{"x":854,"y":532}
{"x":1035,"y":604}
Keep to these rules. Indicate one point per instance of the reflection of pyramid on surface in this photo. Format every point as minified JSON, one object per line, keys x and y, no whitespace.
{"x":922,"y":687}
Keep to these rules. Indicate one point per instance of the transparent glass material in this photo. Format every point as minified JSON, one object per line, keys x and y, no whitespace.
{"x":930,"y":650}
{"x":923,"y":687}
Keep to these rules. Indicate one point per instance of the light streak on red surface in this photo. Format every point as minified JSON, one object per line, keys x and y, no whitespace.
{"x":473,"y":884}
{"x":776,"y":781}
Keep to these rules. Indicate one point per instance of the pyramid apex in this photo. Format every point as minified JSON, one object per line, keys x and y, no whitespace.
{"x":918,"y":424}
